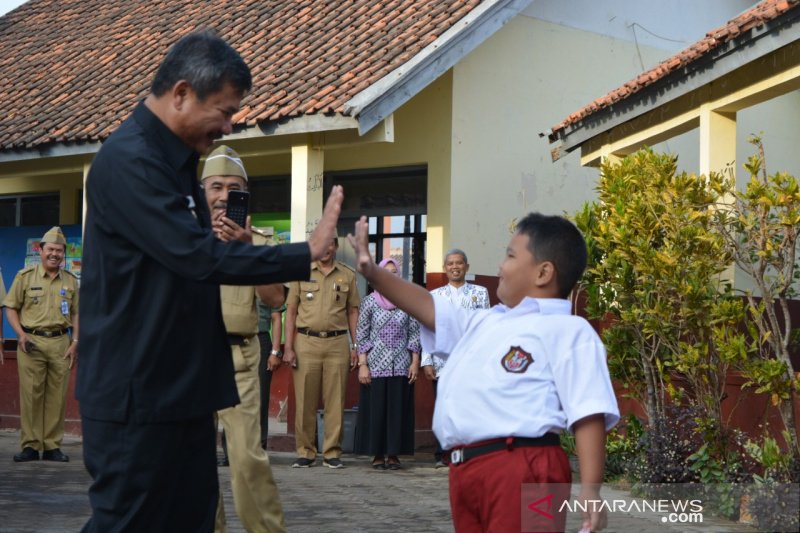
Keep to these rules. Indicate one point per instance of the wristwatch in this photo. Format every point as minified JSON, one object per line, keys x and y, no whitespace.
{"x":275,"y":352}
{"x":354,"y":346}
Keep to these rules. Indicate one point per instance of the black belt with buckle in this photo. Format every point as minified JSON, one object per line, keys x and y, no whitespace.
{"x":237,"y":340}
{"x":321,"y":334}
{"x":50,"y":333}
{"x":462,"y":455}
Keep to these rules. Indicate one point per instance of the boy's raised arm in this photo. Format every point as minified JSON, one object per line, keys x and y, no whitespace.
{"x":409,"y":297}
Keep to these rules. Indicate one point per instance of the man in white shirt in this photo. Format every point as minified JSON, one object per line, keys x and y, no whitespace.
{"x":463,"y":294}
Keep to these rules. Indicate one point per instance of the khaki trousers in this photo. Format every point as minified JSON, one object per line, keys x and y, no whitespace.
{"x":43,"y":382}
{"x":255,"y":494}
{"x":321,"y":364}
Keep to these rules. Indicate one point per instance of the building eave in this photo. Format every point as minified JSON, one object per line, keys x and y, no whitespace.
{"x":732,"y":55}
{"x":385,"y":96}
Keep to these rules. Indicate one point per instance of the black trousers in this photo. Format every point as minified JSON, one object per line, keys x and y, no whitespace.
{"x":265,"y":377}
{"x":437,"y":454}
{"x":151,"y":477}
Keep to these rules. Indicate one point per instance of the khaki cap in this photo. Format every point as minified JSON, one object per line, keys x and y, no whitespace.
{"x":55,"y":236}
{"x":223,"y":161}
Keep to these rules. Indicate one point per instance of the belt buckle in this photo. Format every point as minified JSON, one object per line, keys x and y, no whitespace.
{"x":457,"y":456}
{"x":323,"y":334}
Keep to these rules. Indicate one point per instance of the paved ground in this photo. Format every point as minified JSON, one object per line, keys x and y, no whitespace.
{"x":45,"y":497}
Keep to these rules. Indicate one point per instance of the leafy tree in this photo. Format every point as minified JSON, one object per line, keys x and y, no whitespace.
{"x":656,"y":264}
{"x":760,"y":226}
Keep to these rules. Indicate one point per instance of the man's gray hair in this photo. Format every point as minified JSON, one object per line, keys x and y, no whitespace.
{"x":454,"y":251}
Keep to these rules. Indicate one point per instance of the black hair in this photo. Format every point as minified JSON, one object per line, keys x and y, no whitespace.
{"x":557,"y":240}
{"x":205,"y":61}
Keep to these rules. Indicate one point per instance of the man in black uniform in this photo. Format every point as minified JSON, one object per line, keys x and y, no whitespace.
{"x":155,"y":360}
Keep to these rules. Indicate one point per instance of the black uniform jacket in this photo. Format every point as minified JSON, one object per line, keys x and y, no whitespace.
{"x":153,"y":344}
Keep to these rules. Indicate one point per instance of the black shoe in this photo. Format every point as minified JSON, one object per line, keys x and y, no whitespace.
{"x":302,"y":462}
{"x":333,"y":463}
{"x":27,"y":454}
{"x":55,"y":455}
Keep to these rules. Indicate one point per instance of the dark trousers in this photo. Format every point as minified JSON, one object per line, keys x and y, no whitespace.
{"x":437,"y":454}
{"x":266,"y":380}
{"x":151,"y":477}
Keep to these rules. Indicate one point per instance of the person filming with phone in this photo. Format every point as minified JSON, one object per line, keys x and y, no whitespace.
{"x":255,"y":494}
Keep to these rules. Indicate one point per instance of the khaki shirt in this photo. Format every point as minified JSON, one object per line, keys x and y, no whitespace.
{"x":44,"y":302}
{"x":322,"y":302}
{"x":2,"y":293}
{"x":239,"y":311}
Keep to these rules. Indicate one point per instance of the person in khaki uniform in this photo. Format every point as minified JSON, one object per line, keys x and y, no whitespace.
{"x":41,"y":306}
{"x":255,"y":494}
{"x":320,"y":313}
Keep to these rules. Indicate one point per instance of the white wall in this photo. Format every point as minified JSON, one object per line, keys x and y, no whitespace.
{"x":552,"y":60}
{"x":522,"y":81}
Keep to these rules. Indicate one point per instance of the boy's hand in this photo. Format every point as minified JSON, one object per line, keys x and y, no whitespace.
{"x":595,"y":518}
{"x":360,"y":243}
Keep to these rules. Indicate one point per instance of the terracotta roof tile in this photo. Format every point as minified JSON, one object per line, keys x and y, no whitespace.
{"x":761,"y":13}
{"x":71,"y":70}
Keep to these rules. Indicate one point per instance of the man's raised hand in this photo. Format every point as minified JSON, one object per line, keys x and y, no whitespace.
{"x":325,"y":232}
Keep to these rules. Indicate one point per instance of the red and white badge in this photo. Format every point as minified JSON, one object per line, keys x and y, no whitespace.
{"x":516,"y":360}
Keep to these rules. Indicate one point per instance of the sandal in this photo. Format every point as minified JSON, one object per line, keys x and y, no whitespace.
{"x":394,"y":463}
{"x":379,"y":464}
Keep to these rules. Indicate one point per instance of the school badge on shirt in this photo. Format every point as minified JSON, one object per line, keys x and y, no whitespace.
{"x":516,"y":360}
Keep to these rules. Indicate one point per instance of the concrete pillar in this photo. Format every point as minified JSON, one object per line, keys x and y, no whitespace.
{"x":717,"y":141}
{"x":307,"y":201}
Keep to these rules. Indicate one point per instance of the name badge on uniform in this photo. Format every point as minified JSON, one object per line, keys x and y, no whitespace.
{"x":64,"y":307}
{"x":63,"y":291}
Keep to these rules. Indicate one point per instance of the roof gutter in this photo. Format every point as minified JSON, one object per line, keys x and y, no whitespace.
{"x":385,"y":96}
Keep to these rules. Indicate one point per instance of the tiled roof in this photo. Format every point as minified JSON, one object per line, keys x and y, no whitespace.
{"x":761,"y":13}
{"x":71,"y":70}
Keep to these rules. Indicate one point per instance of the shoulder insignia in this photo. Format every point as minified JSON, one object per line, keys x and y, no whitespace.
{"x":516,"y":360}
{"x":28,"y":269}
{"x":69,"y":272}
{"x":345,"y":265}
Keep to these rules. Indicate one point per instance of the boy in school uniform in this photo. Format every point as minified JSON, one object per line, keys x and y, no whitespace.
{"x":517,"y":375}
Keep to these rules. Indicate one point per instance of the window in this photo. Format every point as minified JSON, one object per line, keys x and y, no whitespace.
{"x":395,"y":202}
{"x":29,"y":210}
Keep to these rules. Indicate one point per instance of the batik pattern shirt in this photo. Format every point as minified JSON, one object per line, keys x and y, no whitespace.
{"x":387,"y":337}
{"x":468,"y":296}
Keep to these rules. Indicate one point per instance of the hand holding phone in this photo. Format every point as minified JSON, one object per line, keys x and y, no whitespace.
{"x":238,"y":207}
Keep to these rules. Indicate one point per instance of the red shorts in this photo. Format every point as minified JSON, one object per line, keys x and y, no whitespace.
{"x":486,"y":493}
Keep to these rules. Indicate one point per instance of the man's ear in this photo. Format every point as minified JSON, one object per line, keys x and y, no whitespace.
{"x":180,"y":94}
{"x":546,"y":274}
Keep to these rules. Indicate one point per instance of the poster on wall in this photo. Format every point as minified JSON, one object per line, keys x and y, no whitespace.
{"x":19,"y":248}
{"x":72,"y":256}
{"x":280,"y":223}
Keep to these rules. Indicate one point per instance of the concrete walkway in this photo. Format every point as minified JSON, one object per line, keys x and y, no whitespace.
{"x":45,"y":497}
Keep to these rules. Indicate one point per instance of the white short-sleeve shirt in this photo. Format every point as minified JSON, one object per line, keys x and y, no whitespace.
{"x":521,"y":371}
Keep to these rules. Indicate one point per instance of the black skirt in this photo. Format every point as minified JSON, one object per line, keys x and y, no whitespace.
{"x":386,"y":417}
